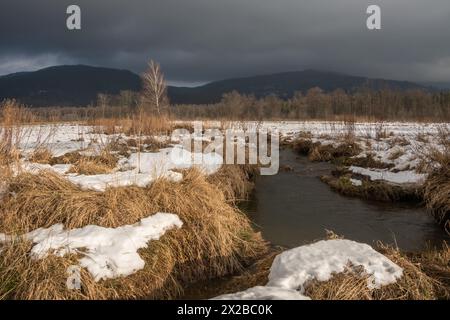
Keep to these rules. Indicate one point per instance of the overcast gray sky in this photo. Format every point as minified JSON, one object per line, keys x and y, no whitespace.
{"x":202,"y":40}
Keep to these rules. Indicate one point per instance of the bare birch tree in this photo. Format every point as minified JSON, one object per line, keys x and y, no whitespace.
{"x":155,"y":90}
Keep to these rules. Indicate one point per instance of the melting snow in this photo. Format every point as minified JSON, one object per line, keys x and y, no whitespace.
{"x":292,"y":269}
{"x":394,"y":177}
{"x":356,"y":182}
{"x":264,"y":293}
{"x":107,"y":252}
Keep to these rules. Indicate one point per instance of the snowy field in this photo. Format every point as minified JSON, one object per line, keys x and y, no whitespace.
{"x":404,"y":146}
{"x":139,"y":169}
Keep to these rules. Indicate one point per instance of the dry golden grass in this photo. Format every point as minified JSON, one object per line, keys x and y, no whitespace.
{"x":105,"y":162}
{"x":437,"y":196}
{"x":426,"y":276}
{"x":90,"y":167}
{"x":216,"y":239}
{"x":133,"y":125}
{"x":12,"y":117}
{"x":304,"y":146}
{"x":437,"y":185}
{"x":326,"y":152}
{"x":235,"y":181}
{"x":330,"y":152}
{"x":348,"y":285}
{"x":367,"y":161}
{"x":396,"y":154}
{"x":372,"y":190}
{"x":415,"y":284}
{"x":41,"y":155}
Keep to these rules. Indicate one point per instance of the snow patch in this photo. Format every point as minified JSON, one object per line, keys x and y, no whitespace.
{"x":356,"y":182}
{"x":107,"y":252}
{"x":394,"y":177}
{"x":264,"y":293}
{"x":100,"y":182}
{"x":292,"y":269}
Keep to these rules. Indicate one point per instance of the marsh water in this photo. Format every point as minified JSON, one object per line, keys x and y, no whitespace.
{"x":294,"y":207}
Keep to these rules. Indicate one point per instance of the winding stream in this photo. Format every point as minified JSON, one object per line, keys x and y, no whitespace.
{"x":294,"y":207}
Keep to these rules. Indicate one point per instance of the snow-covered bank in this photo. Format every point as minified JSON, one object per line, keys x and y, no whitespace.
{"x":292,"y":269}
{"x":393,"y":177}
{"x":106,"y":252}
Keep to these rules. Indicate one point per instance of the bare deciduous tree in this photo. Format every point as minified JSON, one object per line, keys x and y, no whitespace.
{"x":102,"y":102}
{"x":155,"y":90}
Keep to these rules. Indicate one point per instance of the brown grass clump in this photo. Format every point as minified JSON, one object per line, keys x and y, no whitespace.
{"x":423,"y":278}
{"x":68,"y":158}
{"x":216,"y":239}
{"x":12,"y":117}
{"x":151,"y":144}
{"x":367,"y":161}
{"x":90,"y":167}
{"x":145,"y":124}
{"x":235,"y":181}
{"x":373,"y":190}
{"x":437,"y":185}
{"x":426,"y":276}
{"x":330,"y":152}
{"x":396,"y":154}
{"x":41,"y":155}
{"x":105,"y":162}
{"x":348,"y":285}
{"x":326,"y":152}
{"x":437,"y":196}
{"x":303,"y":146}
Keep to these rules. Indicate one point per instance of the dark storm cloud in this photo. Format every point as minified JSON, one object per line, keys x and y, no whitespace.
{"x":201,"y":40}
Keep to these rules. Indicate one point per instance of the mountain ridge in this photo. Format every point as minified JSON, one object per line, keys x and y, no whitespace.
{"x":77,"y":85}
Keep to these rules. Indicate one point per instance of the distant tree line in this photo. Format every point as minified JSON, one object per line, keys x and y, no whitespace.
{"x":383,"y":104}
{"x":316,"y":104}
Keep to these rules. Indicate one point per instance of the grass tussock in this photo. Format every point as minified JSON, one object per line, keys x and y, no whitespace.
{"x":41,"y":155}
{"x":235,"y":181}
{"x":12,"y":117}
{"x":437,"y":196}
{"x":367,"y":161}
{"x":304,"y":146}
{"x":437,"y":185}
{"x":425,"y":277}
{"x":103,"y":163}
{"x":136,"y":124}
{"x":373,"y":190}
{"x":216,"y":239}
{"x":326,"y":152}
{"x":331,"y":152}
